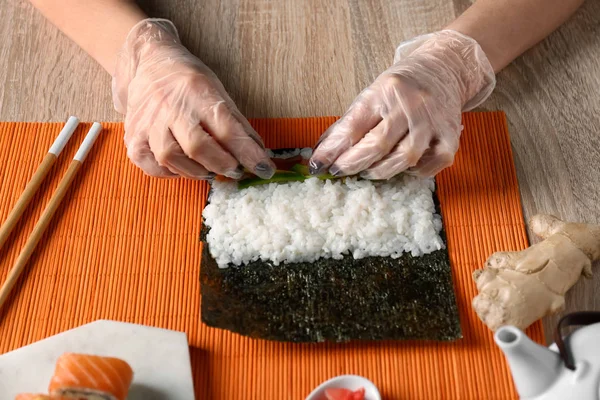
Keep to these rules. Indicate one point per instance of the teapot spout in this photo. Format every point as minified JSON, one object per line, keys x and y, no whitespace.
{"x":534,"y":368}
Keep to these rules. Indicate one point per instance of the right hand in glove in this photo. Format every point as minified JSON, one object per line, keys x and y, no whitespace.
{"x":179,"y":119}
{"x":409,"y":118}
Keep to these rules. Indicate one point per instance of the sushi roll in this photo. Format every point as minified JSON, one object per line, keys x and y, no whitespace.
{"x":88,"y":377}
{"x":294,"y":257}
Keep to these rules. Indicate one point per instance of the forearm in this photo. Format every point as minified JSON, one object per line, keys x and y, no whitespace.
{"x":507,"y":28}
{"x":98,"y":26}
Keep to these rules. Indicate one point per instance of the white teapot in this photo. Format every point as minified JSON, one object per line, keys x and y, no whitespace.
{"x":568,"y":369}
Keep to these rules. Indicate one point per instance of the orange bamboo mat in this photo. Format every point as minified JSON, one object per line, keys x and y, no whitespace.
{"x":126,"y":247}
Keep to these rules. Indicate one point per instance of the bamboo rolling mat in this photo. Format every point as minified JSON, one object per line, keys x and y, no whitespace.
{"x":126,"y":247}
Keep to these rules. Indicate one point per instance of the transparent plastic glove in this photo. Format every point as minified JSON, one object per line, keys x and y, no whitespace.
{"x":409,"y":119}
{"x":179,"y":120}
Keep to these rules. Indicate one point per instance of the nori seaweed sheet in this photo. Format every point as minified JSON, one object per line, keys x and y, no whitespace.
{"x":374,"y":298}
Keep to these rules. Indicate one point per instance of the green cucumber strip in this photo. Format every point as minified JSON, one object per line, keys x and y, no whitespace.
{"x":297,"y":173}
{"x":301,"y":169}
{"x":326,"y":177}
{"x":280,"y":176}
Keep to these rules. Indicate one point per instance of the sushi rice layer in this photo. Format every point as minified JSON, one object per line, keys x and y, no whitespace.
{"x":305,"y":221}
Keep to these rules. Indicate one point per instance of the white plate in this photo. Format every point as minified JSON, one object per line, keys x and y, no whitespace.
{"x":160,"y":359}
{"x":351,"y":382}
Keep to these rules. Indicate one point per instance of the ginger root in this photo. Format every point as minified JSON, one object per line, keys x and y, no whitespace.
{"x":518,"y":288}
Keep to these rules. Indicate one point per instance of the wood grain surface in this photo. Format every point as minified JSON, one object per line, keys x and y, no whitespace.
{"x":311,"y":58}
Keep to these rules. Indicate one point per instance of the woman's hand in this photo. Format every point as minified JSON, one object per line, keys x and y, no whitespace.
{"x":409,"y":119}
{"x":179,"y":120}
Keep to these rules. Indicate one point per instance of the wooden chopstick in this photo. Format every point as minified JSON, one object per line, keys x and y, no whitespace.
{"x":48,"y":213}
{"x":37,"y":178}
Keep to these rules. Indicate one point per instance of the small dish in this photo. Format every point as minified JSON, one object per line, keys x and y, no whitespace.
{"x":351,"y":382}
{"x":160,"y":359}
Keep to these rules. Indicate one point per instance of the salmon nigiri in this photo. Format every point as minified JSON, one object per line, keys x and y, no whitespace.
{"x":32,"y":396}
{"x":83,"y":377}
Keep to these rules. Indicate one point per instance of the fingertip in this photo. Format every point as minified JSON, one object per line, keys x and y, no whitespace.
{"x":315,"y":167}
{"x":265,"y":169}
{"x":204,"y":177}
{"x":145,"y":161}
{"x":160,"y":173}
{"x":235,"y":173}
{"x":331,"y":145}
{"x":335,"y":170}
{"x":366,"y":175}
{"x":418,"y":173}
{"x":377,"y":174}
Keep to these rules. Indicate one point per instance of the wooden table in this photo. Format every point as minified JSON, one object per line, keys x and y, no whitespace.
{"x":309,"y":58}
